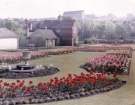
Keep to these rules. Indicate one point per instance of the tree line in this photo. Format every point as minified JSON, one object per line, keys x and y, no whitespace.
{"x":107,"y":29}
{"x":89,"y":29}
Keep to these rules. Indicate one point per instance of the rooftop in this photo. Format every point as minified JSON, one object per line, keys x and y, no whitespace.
{"x":6,"y":33}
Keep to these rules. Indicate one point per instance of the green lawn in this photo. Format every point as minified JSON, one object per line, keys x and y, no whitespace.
{"x":67,"y":63}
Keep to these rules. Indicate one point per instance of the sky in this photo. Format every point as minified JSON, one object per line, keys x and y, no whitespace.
{"x":52,"y":8}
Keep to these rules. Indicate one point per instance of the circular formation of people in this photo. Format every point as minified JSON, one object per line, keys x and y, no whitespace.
{"x":101,"y":76}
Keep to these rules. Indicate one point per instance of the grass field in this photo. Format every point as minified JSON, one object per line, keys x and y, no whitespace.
{"x":122,"y":96}
{"x":69,"y":63}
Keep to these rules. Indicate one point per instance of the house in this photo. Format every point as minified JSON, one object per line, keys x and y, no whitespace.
{"x":43,"y":38}
{"x":64,"y":28}
{"x":8,"y":39}
{"x":67,"y":32}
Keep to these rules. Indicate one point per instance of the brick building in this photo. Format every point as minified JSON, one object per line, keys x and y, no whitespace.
{"x":65,"y":29}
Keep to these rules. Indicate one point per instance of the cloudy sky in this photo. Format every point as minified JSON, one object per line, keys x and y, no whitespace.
{"x":52,"y":8}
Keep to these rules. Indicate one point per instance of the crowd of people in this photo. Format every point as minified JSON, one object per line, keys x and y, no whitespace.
{"x":112,"y":63}
{"x":71,"y":86}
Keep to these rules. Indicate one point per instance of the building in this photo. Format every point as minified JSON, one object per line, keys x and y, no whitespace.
{"x":79,"y":16}
{"x":64,"y":29}
{"x":43,"y":38}
{"x":76,"y":15}
{"x":8,"y":39}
